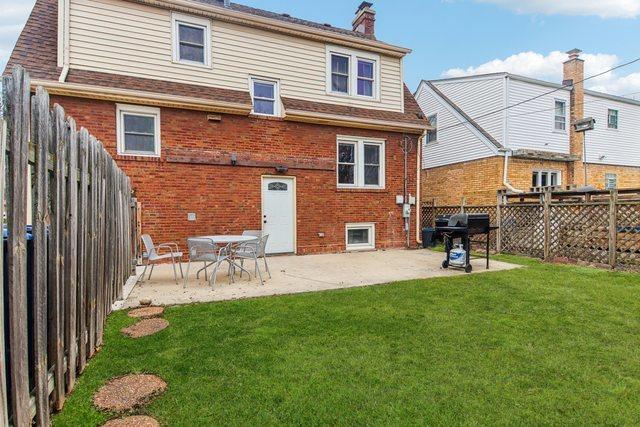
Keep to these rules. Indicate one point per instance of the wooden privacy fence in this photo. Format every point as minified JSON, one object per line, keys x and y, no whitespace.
{"x":59,"y":285}
{"x":597,"y":227}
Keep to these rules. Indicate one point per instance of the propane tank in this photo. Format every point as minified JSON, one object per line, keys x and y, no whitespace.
{"x":458,"y":257}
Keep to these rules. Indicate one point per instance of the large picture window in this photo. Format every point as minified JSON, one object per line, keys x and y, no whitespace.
{"x":191,"y":40}
{"x":138,"y":130}
{"x":360,"y":163}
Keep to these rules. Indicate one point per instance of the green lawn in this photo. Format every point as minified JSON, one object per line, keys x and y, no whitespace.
{"x":546,"y":344}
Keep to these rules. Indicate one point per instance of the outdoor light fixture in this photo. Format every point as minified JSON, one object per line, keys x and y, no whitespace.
{"x":234,"y":159}
{"x":582,"y":126}
{"x":282,"y":169}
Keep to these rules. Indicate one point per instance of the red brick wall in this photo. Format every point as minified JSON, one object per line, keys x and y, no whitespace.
{"x":227,"y":199}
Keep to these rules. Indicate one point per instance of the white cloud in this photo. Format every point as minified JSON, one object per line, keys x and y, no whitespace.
{"x":549,"y":68}
{"x":13,"y":17}
{"x":601,"y":8}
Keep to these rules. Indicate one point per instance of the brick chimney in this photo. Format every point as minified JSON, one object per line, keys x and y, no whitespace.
{"x":573,"y":74}
{"x":365,"y":20}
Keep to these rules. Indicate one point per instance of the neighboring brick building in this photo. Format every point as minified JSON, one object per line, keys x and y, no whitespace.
{"x":229,"y":118}
{"x":487,"y":123}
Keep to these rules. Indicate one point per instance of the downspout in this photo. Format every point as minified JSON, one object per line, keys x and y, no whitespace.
{"x":63,"y":38}
{"x":506,"y":151}
{"x":505,"y":178}
{"x":419,"y":189}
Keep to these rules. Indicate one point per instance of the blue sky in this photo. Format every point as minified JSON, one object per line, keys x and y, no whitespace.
{"x":458,"y":37}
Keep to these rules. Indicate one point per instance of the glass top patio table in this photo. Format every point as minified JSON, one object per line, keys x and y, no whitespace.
{"x":224,"y":240}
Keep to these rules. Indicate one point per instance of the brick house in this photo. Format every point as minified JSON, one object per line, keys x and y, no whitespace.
{"x":479,"y":146}
{"x":229,"y":118}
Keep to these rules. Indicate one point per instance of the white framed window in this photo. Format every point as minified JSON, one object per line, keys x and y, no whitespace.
{"x":360,"y":163}
{"x":560,"y":116}
{"x":360,"y":237}
{"x":612,"y":119}
{"x":432,"y":135}
{"x":353,"y":73}
{"x":265,"y":94}
{"x":138,"y":130}
{"x":546,"y":178}
{"x":191,"y":40}
{"x":340,"y":76}
{"x":610,"y":181}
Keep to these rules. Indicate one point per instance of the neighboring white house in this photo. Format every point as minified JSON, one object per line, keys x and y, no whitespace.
{"x":481,"y":119}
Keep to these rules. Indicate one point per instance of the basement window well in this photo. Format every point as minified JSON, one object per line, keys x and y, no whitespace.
{"x":361,"y":237}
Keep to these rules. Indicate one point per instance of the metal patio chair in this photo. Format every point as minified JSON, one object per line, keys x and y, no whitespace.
{"x":154,"y":256}
{"x":254,"y":251}
{"x":206,"y":251}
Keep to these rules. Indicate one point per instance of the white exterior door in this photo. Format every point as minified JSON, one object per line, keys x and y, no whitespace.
{"x":278,"y":214}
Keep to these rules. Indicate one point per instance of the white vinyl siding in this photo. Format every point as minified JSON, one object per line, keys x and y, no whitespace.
{"x":478,"y":98}
{"x":456,"y":142}
{"x":619,"y":147}
{"x":123,"y":37}
{"x":532,"y":125}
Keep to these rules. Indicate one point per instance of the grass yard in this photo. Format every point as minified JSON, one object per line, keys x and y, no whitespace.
{"x":546,"y":344}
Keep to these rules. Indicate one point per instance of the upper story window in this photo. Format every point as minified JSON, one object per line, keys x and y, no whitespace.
{"x":339,"y":74}
{"x":560,"y":118}
{"x":138,"y":130}
{"x":265,"y":96}
{"x":353,"y":73}
{"x":546,"y":179}
{"x":360,"y":163}
{"x":191,"y":40}
{"x":612,"y":119}
{"x":432,"y":135}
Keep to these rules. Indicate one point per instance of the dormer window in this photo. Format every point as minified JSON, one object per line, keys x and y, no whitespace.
{"x":265,"y":97}
{"x":353,"y":73}
{"x":339,"y":74}
{"x":191,"y":40}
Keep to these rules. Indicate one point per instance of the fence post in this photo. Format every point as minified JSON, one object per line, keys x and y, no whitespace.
{"x":499,"y":224}
{"x":547,"y":224}
{"x":613,"y":228}
{"x":17,"y":91}
{"x":4,"y":413}
{"x":41,"y":135}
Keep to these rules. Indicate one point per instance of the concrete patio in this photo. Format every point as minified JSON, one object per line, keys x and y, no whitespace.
{"x":297,"y":274}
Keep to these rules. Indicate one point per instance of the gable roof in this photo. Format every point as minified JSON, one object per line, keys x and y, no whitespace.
{"x":464,"y":115}
{"x":36,"y":50}
{"x":539,"y":82}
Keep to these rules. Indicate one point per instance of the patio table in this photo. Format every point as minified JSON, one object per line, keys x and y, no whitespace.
{"x":225,"y":240}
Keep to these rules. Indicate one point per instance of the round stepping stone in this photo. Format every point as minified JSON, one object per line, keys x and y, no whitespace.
{"x":133,"y":421}
{"x":145,"y":328}
{"x":128,"y":392}
{"x":146,"y":312}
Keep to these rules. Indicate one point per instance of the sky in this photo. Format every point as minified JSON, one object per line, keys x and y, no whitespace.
{"x":453,"y":38}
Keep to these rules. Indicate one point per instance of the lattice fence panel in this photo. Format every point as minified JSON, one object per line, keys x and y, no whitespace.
{"x":522,"y":230}
{"x":493,"y":212}
{"x":628,"y":237}
{"x":427,"y":217}
{"x":580,"y":232}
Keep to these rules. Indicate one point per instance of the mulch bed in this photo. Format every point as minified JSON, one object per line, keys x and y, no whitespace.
{"x":133,"y":421}
{"x":145,"y":328}
{"x":128,"y":392}
{"x":146,"y":312}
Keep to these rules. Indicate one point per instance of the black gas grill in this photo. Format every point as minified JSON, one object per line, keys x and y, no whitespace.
{"x":462,"y":227}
